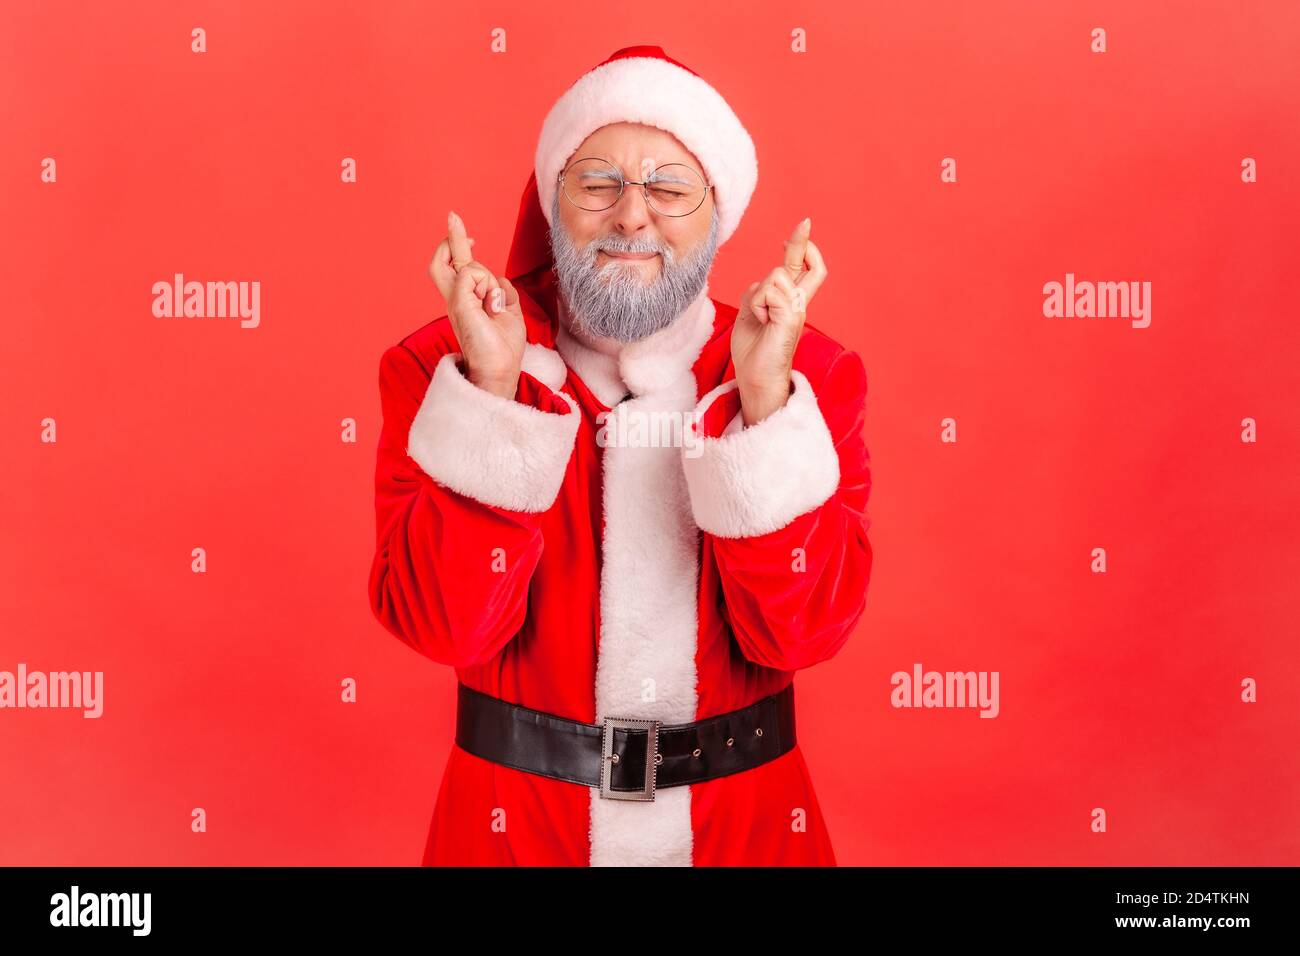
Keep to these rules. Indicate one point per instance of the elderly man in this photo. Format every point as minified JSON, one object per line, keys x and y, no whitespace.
{"x":624,"y":604}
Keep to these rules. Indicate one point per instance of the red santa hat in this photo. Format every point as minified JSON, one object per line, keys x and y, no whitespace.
{"x":637,"y":84}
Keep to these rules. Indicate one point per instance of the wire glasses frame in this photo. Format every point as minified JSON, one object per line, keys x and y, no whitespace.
{"x":624,"y":183}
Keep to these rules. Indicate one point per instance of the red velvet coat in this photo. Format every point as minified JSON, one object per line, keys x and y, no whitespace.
{"x":589,"y":562}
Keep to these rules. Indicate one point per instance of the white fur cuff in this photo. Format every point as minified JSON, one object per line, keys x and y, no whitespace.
{"x":761,"y":478}
{"x":496,"y":450}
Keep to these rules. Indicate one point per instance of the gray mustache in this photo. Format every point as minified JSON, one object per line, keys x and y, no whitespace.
{"x":617,"y":244}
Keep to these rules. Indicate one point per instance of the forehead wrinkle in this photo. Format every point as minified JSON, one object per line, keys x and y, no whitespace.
{"x":672,"y":154}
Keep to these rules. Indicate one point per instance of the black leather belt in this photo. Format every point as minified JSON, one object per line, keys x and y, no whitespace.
{"x":626,"y":757}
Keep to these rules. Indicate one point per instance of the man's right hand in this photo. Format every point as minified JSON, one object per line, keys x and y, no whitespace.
{"x":484,"y":311}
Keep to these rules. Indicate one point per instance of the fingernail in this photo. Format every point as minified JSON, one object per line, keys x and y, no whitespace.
{"x":809,"y":222}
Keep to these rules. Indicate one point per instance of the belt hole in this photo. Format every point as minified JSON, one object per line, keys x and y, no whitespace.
{"x":695,"y":752}
{"x":659,"y":758}
{"x":613,"y":758}
{"x":730,"y":741}
{"x":758,"y":731}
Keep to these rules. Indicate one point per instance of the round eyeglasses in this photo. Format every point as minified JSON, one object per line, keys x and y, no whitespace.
{"x":673,"y":189}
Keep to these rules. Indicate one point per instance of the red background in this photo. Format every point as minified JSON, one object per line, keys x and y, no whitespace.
{"x":1118,"y":690}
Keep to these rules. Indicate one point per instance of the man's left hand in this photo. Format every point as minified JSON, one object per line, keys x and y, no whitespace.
{"x":768,"y":326}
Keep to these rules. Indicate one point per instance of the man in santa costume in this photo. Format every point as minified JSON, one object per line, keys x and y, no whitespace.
{"x":625,"y":512}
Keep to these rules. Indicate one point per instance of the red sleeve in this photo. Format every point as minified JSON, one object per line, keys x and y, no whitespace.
{"x":784,"y":503}
{"x":461,"y":481}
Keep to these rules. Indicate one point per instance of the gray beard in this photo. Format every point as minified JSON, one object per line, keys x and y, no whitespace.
{"x":613,"y":301}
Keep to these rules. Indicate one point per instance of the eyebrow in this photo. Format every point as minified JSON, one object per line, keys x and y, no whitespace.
{"x":599,"y":174}
{"x":655,"y":177}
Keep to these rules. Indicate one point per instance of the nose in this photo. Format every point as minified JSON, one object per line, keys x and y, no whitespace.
{"x":631,"y":213}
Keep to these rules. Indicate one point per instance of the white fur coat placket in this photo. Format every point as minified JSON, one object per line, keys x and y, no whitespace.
{"x":650,"y":573}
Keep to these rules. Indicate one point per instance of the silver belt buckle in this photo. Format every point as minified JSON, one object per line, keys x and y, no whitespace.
{"x":608,"y":758}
